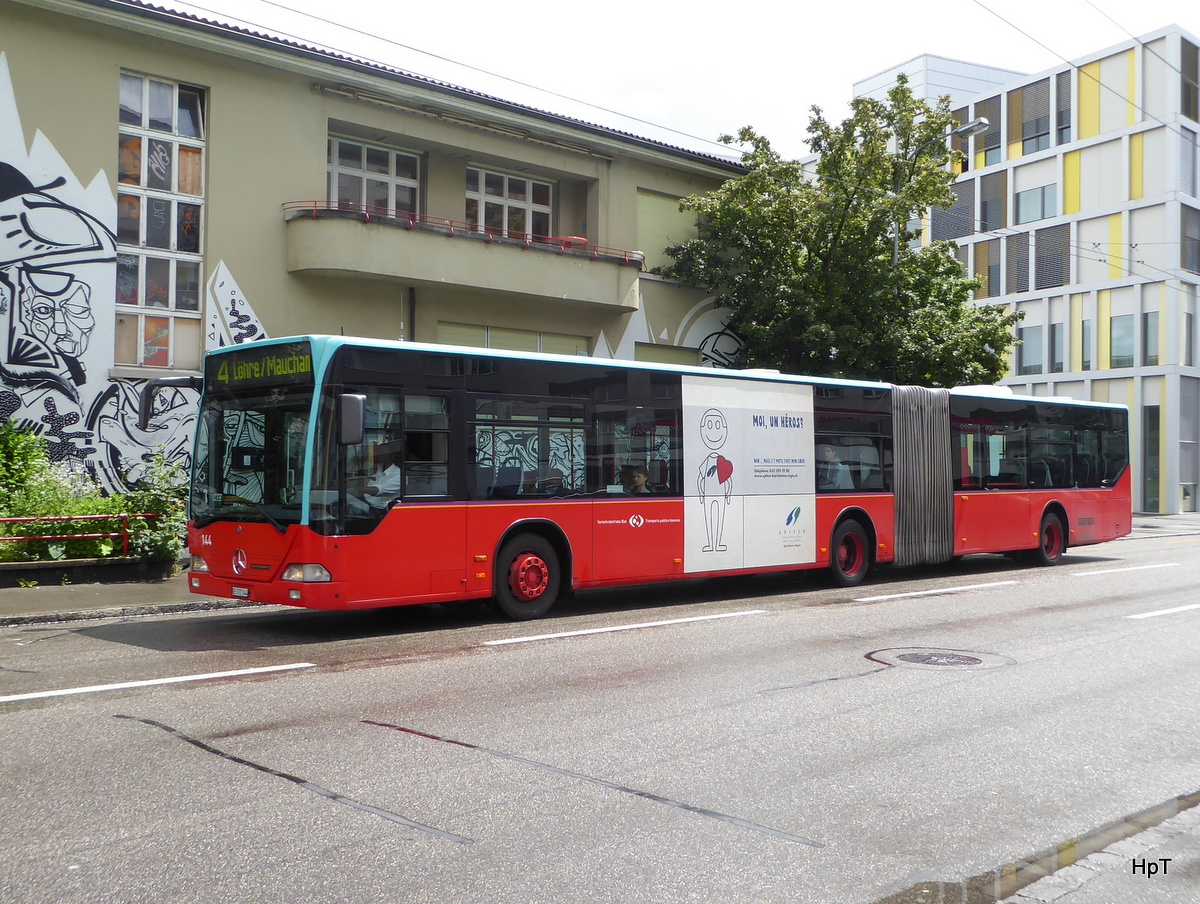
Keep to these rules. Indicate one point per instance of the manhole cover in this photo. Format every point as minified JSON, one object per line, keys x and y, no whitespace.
{"x":931,"y":658}
{"x":951,"y":659}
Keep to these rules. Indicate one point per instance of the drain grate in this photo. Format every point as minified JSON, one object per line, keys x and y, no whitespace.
{"x":933,"y":658}
{"x":950,"y":659}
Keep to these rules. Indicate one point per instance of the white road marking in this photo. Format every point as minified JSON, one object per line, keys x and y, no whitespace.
{"x":657,"y":624}
{"x":1165,"y":611}
{"x":179,"y":679}
{"x":941,"y":592}
{"x":1084,"y":574}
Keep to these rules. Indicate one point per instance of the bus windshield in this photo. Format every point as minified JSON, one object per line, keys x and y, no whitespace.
{"x":249,"y":462}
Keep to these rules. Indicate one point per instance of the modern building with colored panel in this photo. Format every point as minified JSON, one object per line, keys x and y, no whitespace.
{"x":1079,"y":208}
{"x":170,"y":184}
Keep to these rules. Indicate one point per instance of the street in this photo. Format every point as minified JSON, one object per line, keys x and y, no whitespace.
{"x":775,"y":739}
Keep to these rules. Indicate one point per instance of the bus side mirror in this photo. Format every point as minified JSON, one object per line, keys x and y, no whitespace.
{"x":351,"y":409}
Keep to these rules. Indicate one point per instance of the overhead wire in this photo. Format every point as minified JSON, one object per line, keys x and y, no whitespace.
{"x":976,"y":226}
{"x":445,"y":59}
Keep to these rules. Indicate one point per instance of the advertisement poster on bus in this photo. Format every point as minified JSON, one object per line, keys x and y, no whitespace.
{"x":748,"y":474}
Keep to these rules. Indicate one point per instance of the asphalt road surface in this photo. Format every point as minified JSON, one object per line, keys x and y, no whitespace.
{"x":768,"y":740}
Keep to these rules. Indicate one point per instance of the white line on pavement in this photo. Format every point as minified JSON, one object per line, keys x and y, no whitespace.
{"x":940,"y":592}
{"x":1084,"y":574}
{"x":179,"y":679}
{"x":657,"y":624}
{"x":1165,"y":611}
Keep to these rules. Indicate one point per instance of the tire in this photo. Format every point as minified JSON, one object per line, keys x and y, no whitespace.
{"x":849,"y":554}
{"x":1052,"y":541}
{"x":528,"y":577}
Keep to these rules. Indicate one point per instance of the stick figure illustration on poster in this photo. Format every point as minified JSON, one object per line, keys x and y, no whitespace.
{"x":715,"y":478}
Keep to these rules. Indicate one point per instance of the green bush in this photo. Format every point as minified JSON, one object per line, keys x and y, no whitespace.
{"x":33,"y":487}
{"x":22,"y":456}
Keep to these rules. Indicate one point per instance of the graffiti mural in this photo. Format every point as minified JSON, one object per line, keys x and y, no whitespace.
{"x":231,"y":320}
{"x":57,"y":282}
{"x":703,"y":327}
{"x":58,"y":295}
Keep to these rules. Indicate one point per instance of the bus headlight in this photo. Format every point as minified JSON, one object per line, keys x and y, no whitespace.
{"x":198,"y":564}
{"x":307,"y":574}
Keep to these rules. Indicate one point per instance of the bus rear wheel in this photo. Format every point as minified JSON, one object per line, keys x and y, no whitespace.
{"x":528,"y":577}
{"x":848,"y":556}
{"x":1052,"y":541}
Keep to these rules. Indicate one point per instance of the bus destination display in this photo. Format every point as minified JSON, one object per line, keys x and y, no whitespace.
{"x":258,"y":366}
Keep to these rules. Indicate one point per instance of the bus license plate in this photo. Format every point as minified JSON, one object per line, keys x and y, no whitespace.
{"x":241,"y":593}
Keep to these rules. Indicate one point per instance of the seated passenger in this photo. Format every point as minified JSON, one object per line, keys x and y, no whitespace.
{"x":552,"y":483}
{"x":638,"y":481}
{"x":832,"y":473}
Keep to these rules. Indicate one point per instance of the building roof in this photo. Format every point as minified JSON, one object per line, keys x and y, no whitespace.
{"x":265,"y":39}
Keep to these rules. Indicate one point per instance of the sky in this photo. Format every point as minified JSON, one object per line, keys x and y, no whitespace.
{"x":686,"y":73}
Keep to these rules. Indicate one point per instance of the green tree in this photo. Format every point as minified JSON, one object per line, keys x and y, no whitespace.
{"x":816,"y":266}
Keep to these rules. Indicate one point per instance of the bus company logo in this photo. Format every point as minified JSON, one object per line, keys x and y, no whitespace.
{"x":636,"y":520}
{"x":239,"y":561}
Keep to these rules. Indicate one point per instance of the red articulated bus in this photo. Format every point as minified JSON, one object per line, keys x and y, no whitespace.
{"x":338,"y":473}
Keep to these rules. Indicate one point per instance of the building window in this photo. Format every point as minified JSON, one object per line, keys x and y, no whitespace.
{"x":1085,"y":341}
{"x":1057,"y":361}
{"x":1016,"y":264}
{"x":512,"y":206}
{"x":1029,"y":116}
{"x":1189,"y":339}
{"x":160,"y":207}
{"x":1029,"y":351}
{"x":961,"y":144}
{"x":1062,"y":106}
{"x":370,"y":177}
{"x":987,"y":267}
{"x":1037,"y":203}
{"x":1052,"y":266}
{"x":990,"y":110}
{"x":1189,"y":72}
{"x":1190,"y":252}
{"x":1122,"y":341}
{"x":993,"y":201}
{"x":1150,"y":338}
{"x":1150,"y":458}
{"x":476,"y":336}
{"x":958,"y":219}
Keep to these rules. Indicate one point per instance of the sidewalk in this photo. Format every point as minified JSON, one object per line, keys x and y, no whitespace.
{"x":76,"y":602}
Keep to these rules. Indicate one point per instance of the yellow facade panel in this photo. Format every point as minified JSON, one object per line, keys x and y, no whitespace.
{"x":1089,"y":100}
{"x":1071,"y":169}
{"x":1137,"y":171}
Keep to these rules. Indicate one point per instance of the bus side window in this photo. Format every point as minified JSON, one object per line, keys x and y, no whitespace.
{"x":426,"y":445}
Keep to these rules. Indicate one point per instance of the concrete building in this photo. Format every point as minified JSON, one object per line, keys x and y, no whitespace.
{"x":1079,"y":208}
{"x":170,"y":184}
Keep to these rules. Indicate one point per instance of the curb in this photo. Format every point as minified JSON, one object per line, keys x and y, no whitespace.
{"x":42,"y":618}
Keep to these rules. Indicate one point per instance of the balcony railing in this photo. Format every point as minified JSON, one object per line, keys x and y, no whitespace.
{"x":574,"y":246}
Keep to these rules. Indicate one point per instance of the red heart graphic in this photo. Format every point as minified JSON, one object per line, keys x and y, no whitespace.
{"x":724,"y":469}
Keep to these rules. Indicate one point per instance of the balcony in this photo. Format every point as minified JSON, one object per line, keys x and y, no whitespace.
{"x":331,"y":240}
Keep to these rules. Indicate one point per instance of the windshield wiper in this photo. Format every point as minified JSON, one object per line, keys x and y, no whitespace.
{"x":242,"y":500}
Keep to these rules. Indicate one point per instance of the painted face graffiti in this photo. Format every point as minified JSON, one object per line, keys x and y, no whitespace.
{"x":57,"y":311}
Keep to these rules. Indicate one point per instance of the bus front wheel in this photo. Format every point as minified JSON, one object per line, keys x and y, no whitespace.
{"x":528,"y":577}
{"x":1052,"y":541}
{"x":848,"y":555}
